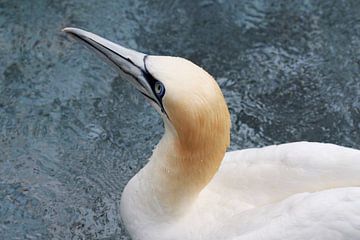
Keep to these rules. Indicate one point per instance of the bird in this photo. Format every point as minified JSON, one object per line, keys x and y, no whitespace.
{"x":192,"y":189}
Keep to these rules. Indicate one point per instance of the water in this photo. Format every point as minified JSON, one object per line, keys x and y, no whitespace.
{"x":72,"y":133}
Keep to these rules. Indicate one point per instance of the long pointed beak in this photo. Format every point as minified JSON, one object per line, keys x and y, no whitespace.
{"x":127,"y":61}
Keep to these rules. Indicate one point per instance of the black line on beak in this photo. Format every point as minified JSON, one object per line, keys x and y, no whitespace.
{"x":90,"y":43}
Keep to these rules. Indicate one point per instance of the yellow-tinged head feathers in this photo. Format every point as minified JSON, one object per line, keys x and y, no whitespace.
{"x":193,"y":102}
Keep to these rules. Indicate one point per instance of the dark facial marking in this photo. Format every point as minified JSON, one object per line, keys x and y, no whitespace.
{"x":151,"y":80}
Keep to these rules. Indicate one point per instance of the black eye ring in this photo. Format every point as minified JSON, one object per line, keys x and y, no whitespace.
{"x":159,"y":89}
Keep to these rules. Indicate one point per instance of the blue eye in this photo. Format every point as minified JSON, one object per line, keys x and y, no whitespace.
{"x":159,"y":89}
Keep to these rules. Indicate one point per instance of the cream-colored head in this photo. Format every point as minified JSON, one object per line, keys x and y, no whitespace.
{"x":193,"y":103}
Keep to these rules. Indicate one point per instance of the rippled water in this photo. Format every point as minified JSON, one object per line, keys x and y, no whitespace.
{"x":72,"y":133}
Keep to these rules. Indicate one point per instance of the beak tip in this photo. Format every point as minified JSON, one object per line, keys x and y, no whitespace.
{"x":71,"y":30}
{"x":67,"y":29}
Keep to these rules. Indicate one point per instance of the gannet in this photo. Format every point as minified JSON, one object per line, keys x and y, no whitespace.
{"x":191,"y":189}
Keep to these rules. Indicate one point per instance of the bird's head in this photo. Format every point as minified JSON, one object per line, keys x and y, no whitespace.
{"x":189,"y":100}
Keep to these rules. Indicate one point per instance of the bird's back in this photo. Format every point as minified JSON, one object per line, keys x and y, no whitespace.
{"x":332,"y":214}
{"x":265,"y":175}
{"x":291,"y":191}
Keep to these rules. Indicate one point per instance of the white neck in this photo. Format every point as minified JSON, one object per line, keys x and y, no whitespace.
{"x":183,"y":163}
{"x":169,"y":184}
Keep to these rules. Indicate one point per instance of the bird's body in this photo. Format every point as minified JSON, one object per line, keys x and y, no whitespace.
{"x":298,"y":190}
{"x":191,"y":189}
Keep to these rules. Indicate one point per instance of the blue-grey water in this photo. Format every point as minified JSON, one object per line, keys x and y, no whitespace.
{"x":72,"y":132}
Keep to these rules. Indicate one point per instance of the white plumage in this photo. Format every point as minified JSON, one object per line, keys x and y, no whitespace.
{"x":192,"y":190}
{"x":291,"y":191}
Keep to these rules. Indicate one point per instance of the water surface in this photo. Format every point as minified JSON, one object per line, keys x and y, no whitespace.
{"x":72,"y":132}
